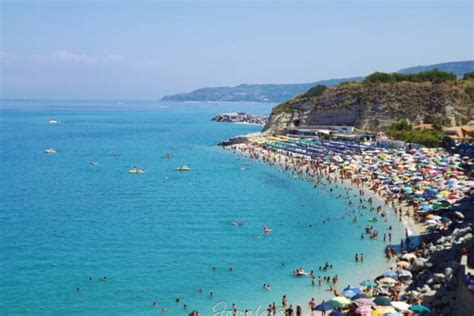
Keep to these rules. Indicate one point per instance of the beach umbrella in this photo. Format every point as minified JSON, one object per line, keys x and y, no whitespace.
{"x":348,"y":293}
{"x":382,"y":301}
{"x":390,"y":274}
{"x":459,"y":214}
{"x":420,"y":309}
{"x":339,"y":301}
{"x":364,"y":310}
{"x":394,"y":314}
{"x":356,"y":290}
{"x":324,"y":307}
{"x":364,"y":301}
{"x":383,"y":310}
{"x":400,"y":305}
{"x":358,"y":296}
{"x":336,"y":313}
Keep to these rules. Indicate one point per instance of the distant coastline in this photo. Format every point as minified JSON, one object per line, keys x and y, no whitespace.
{"x":283,"y":92}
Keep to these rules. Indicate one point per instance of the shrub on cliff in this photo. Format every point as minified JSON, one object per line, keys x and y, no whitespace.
{"x":468,"y":75}
{"x":314,"y":91}
{"x":435,"y":76}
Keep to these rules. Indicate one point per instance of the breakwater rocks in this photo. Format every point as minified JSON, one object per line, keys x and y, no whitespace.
{"x":436,"y":269}
{"x":241,"y":118}
{"x":233,"y":141}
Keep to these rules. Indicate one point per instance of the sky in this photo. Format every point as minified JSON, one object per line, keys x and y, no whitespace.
{"x":146,"y":49}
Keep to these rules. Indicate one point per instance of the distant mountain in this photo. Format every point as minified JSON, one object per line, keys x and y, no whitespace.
{"x":253,"y":92}
{"x":283,"y":92}
{"x":457,"y":67}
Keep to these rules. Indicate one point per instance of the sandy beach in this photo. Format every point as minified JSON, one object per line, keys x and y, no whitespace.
{"x":370,"y":188}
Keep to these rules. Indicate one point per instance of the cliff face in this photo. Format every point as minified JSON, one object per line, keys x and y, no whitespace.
{"x":373,"y":106}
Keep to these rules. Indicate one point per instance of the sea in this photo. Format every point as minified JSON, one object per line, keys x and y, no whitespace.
{"x":79,"y":234}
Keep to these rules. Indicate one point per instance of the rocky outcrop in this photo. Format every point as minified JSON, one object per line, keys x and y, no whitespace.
{"x":374,"y":106}
{"x":241,"y":118}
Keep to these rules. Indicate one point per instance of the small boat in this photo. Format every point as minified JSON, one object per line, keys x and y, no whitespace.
{"x":267,"y":230}
{"x":238,"y":223}
{"x":183,"y":168}
{"x":53,"y":122}
{"x":136,"y":170}
{"x":50,"y":151}
{"x":167,"y":155}
{"x":94,"y":163}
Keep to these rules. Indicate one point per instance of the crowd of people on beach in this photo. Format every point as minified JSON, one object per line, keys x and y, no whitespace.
{"x":412,"y":183}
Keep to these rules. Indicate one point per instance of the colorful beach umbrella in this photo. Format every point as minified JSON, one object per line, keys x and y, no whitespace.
{"x":420,"y":309}
{"x":390,"y":274}
{"x":339,"y":301}
{"x":383,"y":310}
{"x":382,"y":301}
{"x":324,"y":307}
{"x":364,"y":301}
{"x":400,"y":305}
{"x":368,"y":283}
{"x":364,"y":310}
{"x":348,"y":293}
{"x":359,"y":296}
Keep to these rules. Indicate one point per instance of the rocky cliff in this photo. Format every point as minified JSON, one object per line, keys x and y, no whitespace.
{"x":373,"y":106}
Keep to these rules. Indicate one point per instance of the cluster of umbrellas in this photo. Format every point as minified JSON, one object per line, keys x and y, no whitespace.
{"x":353,"y":297}
{"x":431,"y":178}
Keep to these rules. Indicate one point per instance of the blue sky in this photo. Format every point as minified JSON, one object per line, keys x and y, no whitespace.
{"x":147,"y":49}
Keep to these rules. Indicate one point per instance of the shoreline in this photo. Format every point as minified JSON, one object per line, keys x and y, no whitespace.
{"x":299,"y":164}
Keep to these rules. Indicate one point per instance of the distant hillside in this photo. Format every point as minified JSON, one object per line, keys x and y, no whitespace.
{"x":283,"y":92}
{"x":253,"y":92}
{"x":458,"y":68}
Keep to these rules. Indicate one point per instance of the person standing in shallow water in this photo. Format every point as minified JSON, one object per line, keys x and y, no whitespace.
{"x":298,"y":310}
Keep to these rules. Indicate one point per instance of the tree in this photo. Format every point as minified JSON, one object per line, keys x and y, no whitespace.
{"x":468,"y":75}
{"x":402,"y":125}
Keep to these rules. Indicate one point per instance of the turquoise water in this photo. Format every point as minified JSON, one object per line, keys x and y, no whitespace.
{"x":156,"y":236}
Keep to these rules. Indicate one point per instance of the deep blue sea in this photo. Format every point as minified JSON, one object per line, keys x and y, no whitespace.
{"x":156,"y":236}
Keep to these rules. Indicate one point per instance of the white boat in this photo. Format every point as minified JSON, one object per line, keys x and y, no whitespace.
{"x":183,"y":168}
{"x":50,"y":151}
{"x":136,"y":170}
{"x":53,"y":122}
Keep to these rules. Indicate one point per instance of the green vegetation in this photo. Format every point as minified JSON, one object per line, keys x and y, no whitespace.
{"x":314,"y":91}
{"x":468,"y":75}
{"x":435,"y":76}
{"x":283,"y":108}
{"x":402,"y":130}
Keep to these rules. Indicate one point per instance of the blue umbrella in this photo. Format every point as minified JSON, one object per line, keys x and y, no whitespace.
{"x":348,"y":293}
{"x":356,"y":290}
{"x":390,"y":274}
{"x":359,"y":296}
{"x":323,"y":307}
{"x":368,"y":283}
{"x":336,"y":313}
